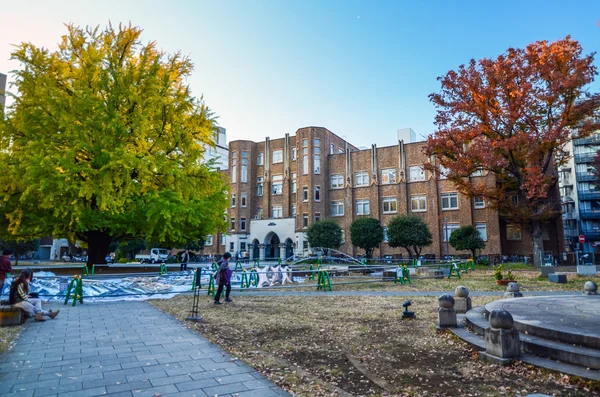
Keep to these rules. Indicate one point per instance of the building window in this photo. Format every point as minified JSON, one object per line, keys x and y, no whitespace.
{"x":340,"y":150}
{"x":294,"y":183}
{"x":513,"y":232}
{"x":243,"y":200}
{"x":416,"y":173}
{"x":242,"y":246}
{"x":331,"y":148}
{"x":232,"y":223}
{"x":385,"y":234}
{"x":388,"y":176}
{"x":277,"y":156}
{"x":243,"y":224}
{"x":362,"y":179}
{"x":337,"y":181}
{"x":294,"y":153}
{"x":317,"y":216}
{"x":293,"y":210}
{"x":418,"y":203}
{"x":317,"y":193}
{"x":317,"y":156}
{"x":233,"y":167}
{"x":277,"y":187}
{"x":478,"y":172}
{"x":260,"y":159}
{"x":209,"y":240}
{"x":337,"y":208}
{"x":305,"y":220}
{"x":304,"y":194}
{"x":482,"y":229}
{"x":443,"y":173}
{"x":478,"y":202}
{"x":362,"y":207}
{"x":259,"y":213}
{"x":390,"y":205}
{"x":277,"y":211}
{"x":244,"y":175}
{"x":449,"y":201}
{"x":223,"y":239}
{"x":232,"y":246}
{"x":448,"y":229}
{"x":233,"y":201}
{"x":259,"y":187}
{"x":305,"y":156}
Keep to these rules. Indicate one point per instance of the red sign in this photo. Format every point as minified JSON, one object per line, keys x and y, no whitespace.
{"x":582,"y":239}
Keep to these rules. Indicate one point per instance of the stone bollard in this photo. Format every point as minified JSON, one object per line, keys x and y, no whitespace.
{"x":590,"y":288}
{"x":513,"y":290}
{"x":462,"y":302}
{"x":446,"y":312}
{"x":502,"y":343}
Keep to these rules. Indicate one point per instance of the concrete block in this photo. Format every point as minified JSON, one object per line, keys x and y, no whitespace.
{"x":586,"y":270}
{"x":557,"y":278}
{"x":502,"y":343}
{"x":462,"y":305}
{"x":546,"y":270}
{"x":447,"y":318}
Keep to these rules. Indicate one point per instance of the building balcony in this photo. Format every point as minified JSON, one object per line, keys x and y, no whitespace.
{"x":571,"y":232}
{"x":591,"y":140}
{"x":586,"y":177}
{"x":589,"y":214}
{"x":588,"y":194}
{"x":585,"y":158}
{"x":568,"y":216}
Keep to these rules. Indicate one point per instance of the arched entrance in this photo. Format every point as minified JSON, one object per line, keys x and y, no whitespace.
{"x":289,"y":248}
{"x":255,"y":249}
{"x":272,"y":246}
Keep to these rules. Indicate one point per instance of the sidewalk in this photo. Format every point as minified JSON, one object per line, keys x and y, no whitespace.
{"x":123,"y":349}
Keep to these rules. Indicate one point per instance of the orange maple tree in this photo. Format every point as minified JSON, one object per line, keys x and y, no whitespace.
{"x":511,"y":117}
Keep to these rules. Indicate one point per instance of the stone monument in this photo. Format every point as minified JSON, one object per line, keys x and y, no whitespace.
{"x":590,"y":288}
{"x":462,"y":302}
{"x":446,"y":312}
{"x":502,"y":343}
{"x":513,"y":290}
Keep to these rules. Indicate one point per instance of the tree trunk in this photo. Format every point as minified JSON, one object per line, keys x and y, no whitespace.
{"x":473,"y":253}
{"x":417,"y":250}
{"x":538,"y":242}
{"x":410,"y":254}
{"x":98,"y":246}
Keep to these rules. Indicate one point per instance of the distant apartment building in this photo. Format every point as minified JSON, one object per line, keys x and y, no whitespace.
{"x":2,"y":90}
{"x":279,"y":187}
{"x":580,"y":194}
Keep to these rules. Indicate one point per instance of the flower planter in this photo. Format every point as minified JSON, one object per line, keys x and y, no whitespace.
{"x":505,"y":282}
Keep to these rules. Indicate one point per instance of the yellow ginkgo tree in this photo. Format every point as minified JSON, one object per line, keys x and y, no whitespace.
{"x":104,"y":141}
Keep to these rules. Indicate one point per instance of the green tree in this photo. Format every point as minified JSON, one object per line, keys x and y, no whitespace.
{"x":366,"y":233}
{"x":325,"y":234}
{"x":410,"y":232}
{"x":105,"y":142}
{"x":467,"y":238}
{"x":21,"y":247}
{"x":129,"y":248}
{"x":195,"y":245}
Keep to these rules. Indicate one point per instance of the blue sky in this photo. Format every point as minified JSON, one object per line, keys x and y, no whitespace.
{"x":363,"y":69}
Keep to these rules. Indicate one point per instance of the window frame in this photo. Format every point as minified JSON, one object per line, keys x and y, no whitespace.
{"x":476,"y":204}
{"x":361,"y":203}
{"x":421,"y":170}
{"x":389,"y":200}
{"x":334,"y":177}
{"x":279,"y":156}
{"x":260,"y":158}
{"x":477,"y":224}
{"x":362,"y":175}
{"x":449,"y":196}
{"x":279,"y":210}
{"x":417,"y":197}
{"x":337,"y":204}
{"x":385,"y":174}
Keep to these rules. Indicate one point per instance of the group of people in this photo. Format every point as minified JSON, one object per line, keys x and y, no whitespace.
{"x":19,"y":295}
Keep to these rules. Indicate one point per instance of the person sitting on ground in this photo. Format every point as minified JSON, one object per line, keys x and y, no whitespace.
{"x":19,"y":297}
{"x":223,"y":278}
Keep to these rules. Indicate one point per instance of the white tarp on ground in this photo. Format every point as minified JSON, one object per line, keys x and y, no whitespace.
{"x":138,"y":287}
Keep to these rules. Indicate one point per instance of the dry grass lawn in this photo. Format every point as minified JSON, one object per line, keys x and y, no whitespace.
{"x":8,"y":336}
{"x":350,"y":346}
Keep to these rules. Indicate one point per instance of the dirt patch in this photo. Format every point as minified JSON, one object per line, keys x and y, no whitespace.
{"x":327,"y":346}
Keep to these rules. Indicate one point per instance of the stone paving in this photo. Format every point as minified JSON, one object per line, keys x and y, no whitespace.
{"x":123,"y":349}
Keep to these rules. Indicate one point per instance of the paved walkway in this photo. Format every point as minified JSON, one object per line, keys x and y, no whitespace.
{"x":123,"y":349}
{"x":290,"y":292}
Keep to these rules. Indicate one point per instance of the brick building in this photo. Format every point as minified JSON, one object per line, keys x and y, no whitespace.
{"x":279,"y":187}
